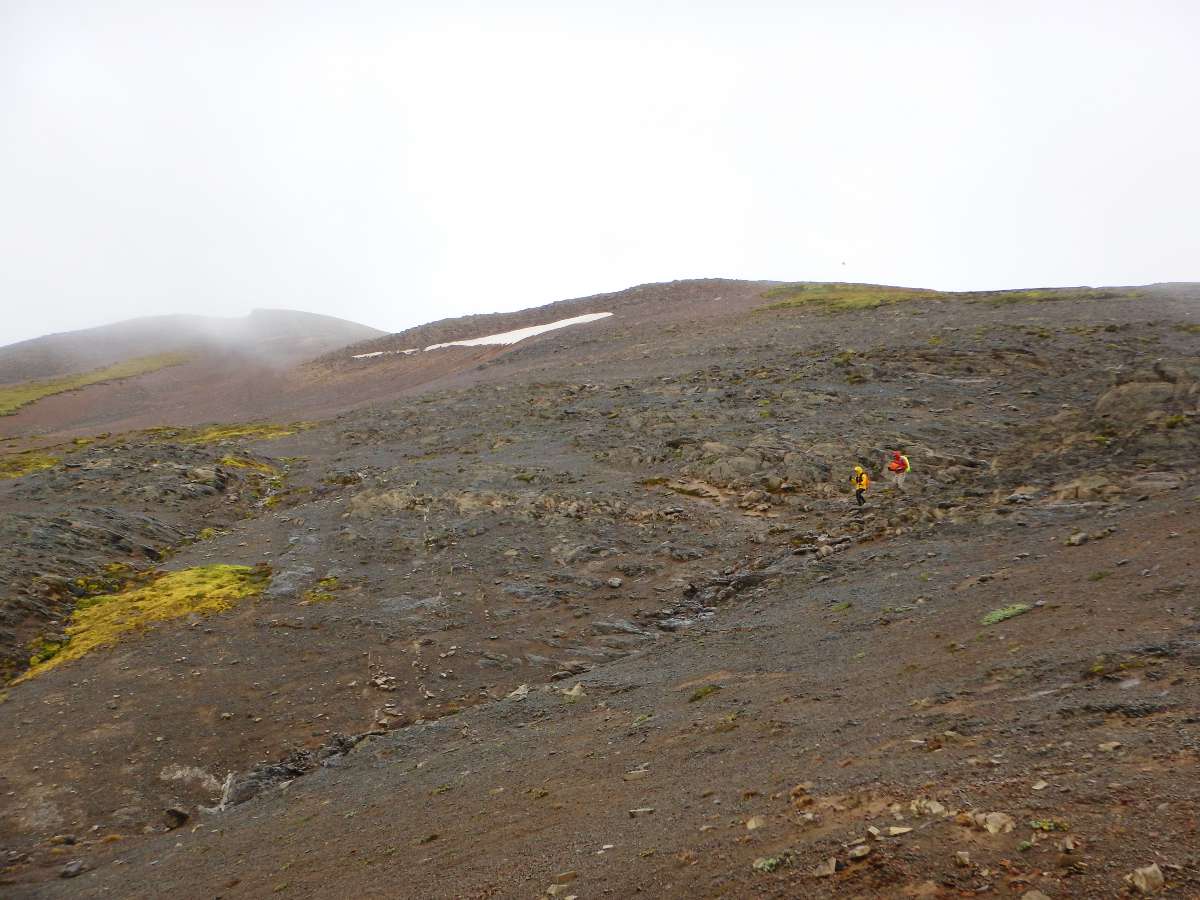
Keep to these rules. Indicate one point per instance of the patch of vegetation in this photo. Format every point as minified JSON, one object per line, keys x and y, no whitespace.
{"x":110,"y":579}
{"x":1049,"y":825}
{"x":1004,"y":613}
{"x":841,"y":296}
{"x":1042,"y":295}
{"x":15,"y":465}
{"x":212,"y":434}
{"x":322,"y":592}
{"x":1099,"y":576}
{"x":1188,"y":327}
{"x":43,"y":649}
{"x":703,"y":692}
{"x":1174,"y":421}
{"x":837,"y":296}
{"x":15,"y":396}
{"x":768,"y":864}
{"x":340,"y":479}
{"x":254,"y":465}
{"x":103,"y":620}
{"x":841,"y":607}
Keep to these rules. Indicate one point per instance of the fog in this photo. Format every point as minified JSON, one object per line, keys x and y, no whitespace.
{"x":394,"y":163}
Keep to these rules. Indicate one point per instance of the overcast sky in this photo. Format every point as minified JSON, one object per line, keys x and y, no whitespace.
{"x":398,"y":162}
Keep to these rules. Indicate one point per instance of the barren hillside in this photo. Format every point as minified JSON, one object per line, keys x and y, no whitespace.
{"x":595,"y":614}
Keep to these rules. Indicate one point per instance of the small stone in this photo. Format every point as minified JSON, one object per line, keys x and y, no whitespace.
{"x":614,"y":582}
{"x":755,"y":822}
{"x":860,"y":852}
{"x":1040,"y":785}
{"x":825,"y":869}
{"x":962,"y":859}
{"x":896,"y":830}
{"x":176,"y":817}
{"x":565,"y":877}
{"x":78,"y":867}
{"x":1034,"y":895}
{"x":926,"y":806}
{"x":995,"y":822}
{"x":1108,"y":746}
{"x":641,"y":811}
{"x":1077,"y":539}
{"x":61,"y":840}
{"x":1147,"y":880}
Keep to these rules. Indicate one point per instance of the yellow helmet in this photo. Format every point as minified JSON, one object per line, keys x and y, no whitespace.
{"x":858,"y":469}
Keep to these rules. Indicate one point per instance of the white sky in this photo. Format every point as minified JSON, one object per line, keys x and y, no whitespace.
{"x":395,"y":163}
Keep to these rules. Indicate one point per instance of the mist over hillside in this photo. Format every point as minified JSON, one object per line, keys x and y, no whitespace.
{"x":271,"y":336}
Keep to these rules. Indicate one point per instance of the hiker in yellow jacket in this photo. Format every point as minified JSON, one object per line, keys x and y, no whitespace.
{"x":861,"y":482}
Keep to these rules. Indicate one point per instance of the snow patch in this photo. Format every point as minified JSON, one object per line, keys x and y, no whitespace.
{"x":512,"y":337}
{"x":502,"y":339}
{"x":384,"y":353}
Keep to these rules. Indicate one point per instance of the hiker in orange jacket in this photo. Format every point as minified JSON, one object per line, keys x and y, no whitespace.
{"x":861,"y":482}
{"x":899,"y":467}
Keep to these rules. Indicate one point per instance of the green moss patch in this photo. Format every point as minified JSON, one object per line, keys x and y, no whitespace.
{"x":15,"y":396}
{"x":1004,"y":613}
{"x":14,"y":465}
{"x":322,"y":592}
{"x":212,"y":434}
{"x":837,"y":296}
{"x":703,"y":692}
{"x":1042,"y":295}
{"x":103,"y":620}
{"x":842,"y":297}
{"x":253,"y":465}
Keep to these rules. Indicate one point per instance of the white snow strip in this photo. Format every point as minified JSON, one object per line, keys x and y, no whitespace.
{"x":511,"y":337}
{"x":384,"y":353}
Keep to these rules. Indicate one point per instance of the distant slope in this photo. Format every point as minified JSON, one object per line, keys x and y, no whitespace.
{"x":278,"y":337}
{"x":665,"y":301}
{"x":15,"y":397}
{"x":283,"y":366}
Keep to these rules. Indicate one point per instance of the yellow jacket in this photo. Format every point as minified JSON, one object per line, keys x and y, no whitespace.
{"x":861,"y":481}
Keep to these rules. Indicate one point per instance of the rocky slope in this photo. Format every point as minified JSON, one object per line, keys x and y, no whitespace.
{"x":594,"y":615}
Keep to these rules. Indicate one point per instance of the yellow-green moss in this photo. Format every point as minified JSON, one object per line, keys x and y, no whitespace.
{"x":15,"y":465}
{"x":1042,"y":295}
{"x":254,"y":465}
{"x":322,"y":592}
{"x":104,"y":620}
{"x":15,"y":396}
{"x":212,"y":434}
{"x":841,"y":297}
{"x":844,"y":297}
